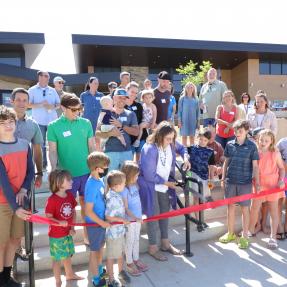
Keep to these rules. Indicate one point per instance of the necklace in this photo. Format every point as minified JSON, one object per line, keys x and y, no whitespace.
{"x":162,"y":156}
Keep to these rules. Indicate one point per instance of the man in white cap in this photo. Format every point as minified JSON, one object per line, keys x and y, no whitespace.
{"x":59,"y":83}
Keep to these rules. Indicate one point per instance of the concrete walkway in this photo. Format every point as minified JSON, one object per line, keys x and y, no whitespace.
{"x":214,"y":264}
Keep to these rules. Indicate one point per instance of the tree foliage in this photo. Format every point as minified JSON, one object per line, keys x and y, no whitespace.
{"x":193,"y":73}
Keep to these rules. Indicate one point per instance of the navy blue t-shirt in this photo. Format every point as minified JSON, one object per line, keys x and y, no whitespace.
{"x":200,"y":159}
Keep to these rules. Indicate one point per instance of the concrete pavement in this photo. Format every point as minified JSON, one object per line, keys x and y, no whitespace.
{"x":214,"y":264}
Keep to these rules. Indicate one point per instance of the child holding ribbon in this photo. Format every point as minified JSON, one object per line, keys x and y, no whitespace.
{"x":60,"y":208}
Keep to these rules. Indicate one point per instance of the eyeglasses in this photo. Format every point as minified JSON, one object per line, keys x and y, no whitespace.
{"x":44,"y":93}
{"x":75,"y":109}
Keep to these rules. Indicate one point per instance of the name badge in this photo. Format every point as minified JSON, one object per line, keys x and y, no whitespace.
{"x":134,"y":108}
{"x":163,"y":101}
{"x":67,"y":134}
{"x":98,"y":98}
{"x":232,"y":113}
{"x":123,"y":119}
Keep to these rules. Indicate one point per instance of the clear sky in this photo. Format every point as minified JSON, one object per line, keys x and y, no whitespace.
{"x":222,"y":20}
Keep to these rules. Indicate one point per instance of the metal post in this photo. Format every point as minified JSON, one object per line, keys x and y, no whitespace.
{"x":188,"y":253}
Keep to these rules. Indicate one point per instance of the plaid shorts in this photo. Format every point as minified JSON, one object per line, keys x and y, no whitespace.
{"x":61,"y":248}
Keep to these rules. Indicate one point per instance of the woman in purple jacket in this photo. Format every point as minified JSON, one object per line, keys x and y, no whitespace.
{"x":157,"y":190}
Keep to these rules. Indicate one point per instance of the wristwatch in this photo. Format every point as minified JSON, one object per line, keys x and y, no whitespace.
{"x":39,"y":173}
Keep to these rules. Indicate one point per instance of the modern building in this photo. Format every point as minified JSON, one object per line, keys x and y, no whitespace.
{"x":77,"y":48}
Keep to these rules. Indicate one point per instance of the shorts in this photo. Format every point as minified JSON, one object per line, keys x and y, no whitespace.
{"x":96,"y":237}
{"x":232,"y":190}
{"x":139,"y":148}
{"x":209,"y":122}
{"x":61,"y":248}
{"x":115,"y":247}
{"x":79,"y":183}
{"x":12,"y":227}
{"x":194,"y":186}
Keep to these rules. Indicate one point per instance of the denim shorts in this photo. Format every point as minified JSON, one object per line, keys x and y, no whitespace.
{"x":208,"y":122}
{"x":139,"y":148}
{"x":79,"y":183}
{"x":118,"y":158}
{"x":96,"y":237}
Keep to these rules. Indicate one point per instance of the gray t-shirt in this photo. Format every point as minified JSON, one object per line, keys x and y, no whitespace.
{"x":211,"y":97}
{"x":282,"y":146}
{"x":28,"y":129}
{"x":127,"y":118}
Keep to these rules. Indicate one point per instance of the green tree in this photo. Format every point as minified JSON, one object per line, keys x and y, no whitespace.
{"x":194,"y":74}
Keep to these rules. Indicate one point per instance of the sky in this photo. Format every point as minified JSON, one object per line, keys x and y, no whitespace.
{"x":223,"y":20}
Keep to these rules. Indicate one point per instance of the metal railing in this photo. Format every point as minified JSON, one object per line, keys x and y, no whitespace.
{"x":185,"y":185}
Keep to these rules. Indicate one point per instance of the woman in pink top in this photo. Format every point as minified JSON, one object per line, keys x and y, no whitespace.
{"x":226,"y":115}
{"x":271,"y":175}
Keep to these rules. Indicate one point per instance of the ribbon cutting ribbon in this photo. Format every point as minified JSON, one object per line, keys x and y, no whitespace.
{"x":195,"y":208}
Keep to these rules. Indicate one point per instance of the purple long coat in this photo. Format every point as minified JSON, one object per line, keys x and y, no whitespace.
{"x":148,"y":177}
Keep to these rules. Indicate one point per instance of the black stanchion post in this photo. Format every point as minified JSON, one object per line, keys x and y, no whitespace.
{"x":188,"y":253}
{"x":200,"y":227}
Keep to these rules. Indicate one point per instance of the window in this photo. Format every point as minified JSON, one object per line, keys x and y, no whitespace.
{"x":5,"y":97}
{"x":272,"y":67}
{"x":13,"y":59}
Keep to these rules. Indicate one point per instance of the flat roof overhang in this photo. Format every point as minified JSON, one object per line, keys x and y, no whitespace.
{"x":21,"y":38}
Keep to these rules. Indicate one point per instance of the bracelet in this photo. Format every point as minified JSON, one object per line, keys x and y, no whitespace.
{"x":39,"y":173}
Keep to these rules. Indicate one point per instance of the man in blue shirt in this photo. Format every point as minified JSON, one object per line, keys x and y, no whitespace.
{"x":43,"y":100}
{"x":125,"y":120}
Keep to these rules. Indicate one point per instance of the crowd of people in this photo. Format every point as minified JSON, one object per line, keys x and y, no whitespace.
{"x":116,"y":154}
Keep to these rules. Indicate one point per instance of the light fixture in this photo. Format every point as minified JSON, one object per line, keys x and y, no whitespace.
{"x":251,"y":85}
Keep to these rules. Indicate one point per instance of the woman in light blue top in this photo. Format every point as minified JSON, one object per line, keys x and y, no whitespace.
{"x":188,"y":113}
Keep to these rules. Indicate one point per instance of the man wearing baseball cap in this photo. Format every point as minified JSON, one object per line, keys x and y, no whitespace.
{"x":59,"y":83}
{"x":126,"y":121}
{"x":162,"y":96}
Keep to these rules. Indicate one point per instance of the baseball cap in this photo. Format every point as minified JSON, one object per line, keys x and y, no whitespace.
{"x":120,"y":92}
{"x":164,"y":75}
{"x":58,"y":79}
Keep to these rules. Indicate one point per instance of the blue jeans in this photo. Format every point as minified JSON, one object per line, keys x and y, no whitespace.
{"x":139,"y":148}
{"x":118,"y":158}
{"x":44,"y":150}
{"x":208,"y":122}
{"x":223,"y":141}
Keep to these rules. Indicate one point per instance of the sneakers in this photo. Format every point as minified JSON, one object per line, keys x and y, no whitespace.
{"x":114,"y":283}
{"x":136,"y":143}
{"x":124,"y":277}
{"x":227,"y":237}
{"x":12,"y":283}
{"x":243,"y":243}
{"x":102,"y":282}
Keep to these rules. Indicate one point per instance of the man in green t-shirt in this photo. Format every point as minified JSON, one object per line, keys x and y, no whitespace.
{"x":71,"y":140}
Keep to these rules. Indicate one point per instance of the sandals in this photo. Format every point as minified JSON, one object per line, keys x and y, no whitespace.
{"x":141,"y":266}
{"x":243,"y":243}
{"x":172,"y":250}
{"x":133,"y":270}
{"x":272,"y":244}
{"x":281,"y":236}
{"x":158,"y":256}
{"x":227,"y":237}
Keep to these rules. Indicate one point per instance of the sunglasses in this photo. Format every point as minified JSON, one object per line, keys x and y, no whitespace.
{"x":61,"y":83}
{"x":44,"y":93}
{"x":75,"y":109}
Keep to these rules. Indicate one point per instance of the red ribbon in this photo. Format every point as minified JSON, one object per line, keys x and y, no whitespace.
{"x":195,"y":208}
